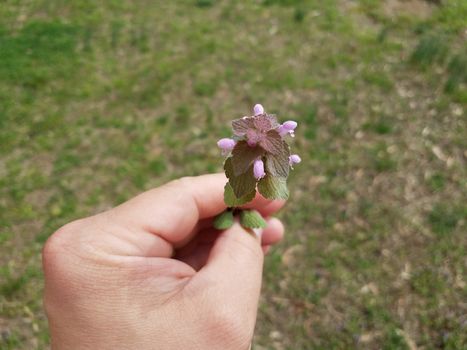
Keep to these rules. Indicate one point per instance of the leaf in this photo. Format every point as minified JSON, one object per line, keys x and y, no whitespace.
{"x":243,"y":157}
{"x":232,"y":201}
{"x":272,"y":187}
{"x":242,"y":184}
{"x":224,"y":220}
{"x":240,"y":126}
{"x":278,"y":165}
{"x":252,"y":219}
{"x":265,"y":122}
{"x":273,"y":143}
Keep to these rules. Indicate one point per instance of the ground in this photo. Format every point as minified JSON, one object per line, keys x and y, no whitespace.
{"x":102,"y":100}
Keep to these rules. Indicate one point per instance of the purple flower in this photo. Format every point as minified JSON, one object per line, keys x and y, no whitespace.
{"x":258,"y":169}
{"x":290,"y":125}
{"x":226,"y":144}
{"x":294,"y":159}
{"x":258,"y":130}
{"x":258,"y":109}
{"x":259,"y":142}
{"x":287,"y":128}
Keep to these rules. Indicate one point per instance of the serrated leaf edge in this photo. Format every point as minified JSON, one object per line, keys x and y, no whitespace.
{"x":261,"y":223}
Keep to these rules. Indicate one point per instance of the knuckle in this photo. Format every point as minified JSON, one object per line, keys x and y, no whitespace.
{"x":52,"y":245}
{"x":56,"y":245}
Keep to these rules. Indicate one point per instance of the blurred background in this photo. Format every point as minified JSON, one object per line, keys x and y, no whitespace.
{"x":100,"y":100}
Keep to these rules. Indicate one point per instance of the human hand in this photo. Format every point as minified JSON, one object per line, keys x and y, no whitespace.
{"x":153,"y":274}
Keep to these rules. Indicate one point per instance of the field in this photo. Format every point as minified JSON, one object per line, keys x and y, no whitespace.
{"x":100,"y":100}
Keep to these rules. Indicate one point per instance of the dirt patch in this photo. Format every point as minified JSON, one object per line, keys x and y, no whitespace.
{"x":416,"y":8}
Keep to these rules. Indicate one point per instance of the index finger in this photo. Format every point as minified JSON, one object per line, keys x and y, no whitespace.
{"x":172,"y":211}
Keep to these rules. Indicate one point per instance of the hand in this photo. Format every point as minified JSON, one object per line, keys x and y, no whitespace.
{"x":153,"y":274}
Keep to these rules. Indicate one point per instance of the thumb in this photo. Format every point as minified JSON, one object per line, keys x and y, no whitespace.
{"x":235,"y":267}
{"x":231,"y":283}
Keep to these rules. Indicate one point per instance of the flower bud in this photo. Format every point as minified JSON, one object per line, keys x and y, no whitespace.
{"x":287,"y":128}
{"x":251,"y":143}
{"x":294,"y":159}
{"x":226,"y":144}
{"x":290,"y":125}
{"x":258,"y":169}
{"x":258,"y":109}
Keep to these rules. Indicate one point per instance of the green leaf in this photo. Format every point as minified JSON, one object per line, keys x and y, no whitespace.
{"x":278,"y":164}
{"x":242,"y":184}
{"x":243,"y":157}
{"x":224,"y":220}
{"x":232,"y":201}
{"x":273,"y":187}
{"x":251,"y":219}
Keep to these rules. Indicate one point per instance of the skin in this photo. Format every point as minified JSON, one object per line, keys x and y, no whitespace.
{"x":152,"y":273}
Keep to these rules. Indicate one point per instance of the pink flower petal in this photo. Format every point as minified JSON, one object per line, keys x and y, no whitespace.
{"x":258,"y":109}
{"x":294,"y":159}
{"x":258,"y":169}
{"x":226,"y":144}
{"x":290,"y":125}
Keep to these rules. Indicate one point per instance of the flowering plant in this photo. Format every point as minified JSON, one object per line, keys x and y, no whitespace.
{"x":258,"y":158}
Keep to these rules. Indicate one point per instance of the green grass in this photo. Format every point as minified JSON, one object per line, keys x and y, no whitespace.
{"x":432,"y":48}
{"x":444,"y":218}
{"x":102,"y":100}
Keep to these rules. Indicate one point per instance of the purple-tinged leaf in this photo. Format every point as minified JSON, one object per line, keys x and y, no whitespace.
{"x":272,"y":187}
{"x":242,"y":125}
{"x":243,"y":157}
{"x":277,"y":165}
{"x":237,"y":138}
{"x":273,"y":143}
{"x":241,"y":184}
{"x":265,"y":122}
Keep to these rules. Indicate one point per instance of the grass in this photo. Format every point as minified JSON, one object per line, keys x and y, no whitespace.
{"x":102,"y":100}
